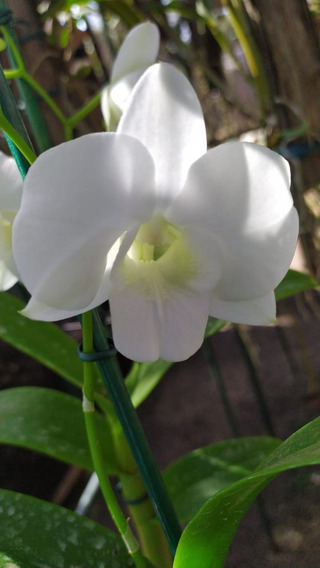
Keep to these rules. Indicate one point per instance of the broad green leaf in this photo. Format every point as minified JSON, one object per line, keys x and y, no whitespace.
{"x":196,"y":477}
{"x":293,"y":283}
{"x":51,"y":422}
{"x":43,"y":341}
{"x":206,"y":539}
{"x":38,"y":535}
{"x":144,"y":377}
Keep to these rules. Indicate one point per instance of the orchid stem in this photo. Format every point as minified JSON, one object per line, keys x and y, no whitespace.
{"x":88,"y":406}
{"x":135,"y":436}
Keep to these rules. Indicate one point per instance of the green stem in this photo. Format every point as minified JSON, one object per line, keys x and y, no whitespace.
{"x":84,"y":111}
{"x":135,"y":436}
{"x":38,"y":89}
{"x":152,"y":538}
{"x":120,"y":521}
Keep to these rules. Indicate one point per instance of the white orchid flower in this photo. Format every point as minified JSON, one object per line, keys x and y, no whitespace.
{"x":138,"y":51}
{"x":150,"y":220}
{"x":10,"y":198}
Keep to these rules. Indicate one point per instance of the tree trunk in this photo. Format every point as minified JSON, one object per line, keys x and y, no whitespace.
{"x":287,"y":40}
{"x":42,"y":63}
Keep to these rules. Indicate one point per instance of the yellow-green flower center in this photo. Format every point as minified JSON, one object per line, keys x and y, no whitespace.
{"x":158,"y":261}
{"x":153,"y":240}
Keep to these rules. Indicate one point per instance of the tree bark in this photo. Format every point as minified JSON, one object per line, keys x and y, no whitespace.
{"x":287,"y":40}
{"x":42,"y":63}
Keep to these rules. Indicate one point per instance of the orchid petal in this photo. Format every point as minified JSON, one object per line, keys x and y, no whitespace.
{"x":241,"y":193}
{"x":72,"y":215}
{"x":10,"y":187}
{"x":258,"y":311}
{"x":139,"y":50}
{"x":172,"y":329}
{"x":164,"y":113}
{"x":255,"y":263}
{"x":121,"y":90}
{"x":115,"y":97}
{"x":7,"y":278}
{"x":160,"y":308}
{"x":246,"y":186}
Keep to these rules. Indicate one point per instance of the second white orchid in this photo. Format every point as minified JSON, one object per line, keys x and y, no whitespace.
{"x":149,"y":220}
{"x":138,"y":51}
{"x":10,"y":198}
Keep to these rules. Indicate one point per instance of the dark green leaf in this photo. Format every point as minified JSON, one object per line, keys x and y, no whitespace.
{"x":43,"y":341}
{"x":196,"y":477}
{"x":52,"y":423}
{"x":41,"y":535}
{"x":206,"y":539}
{"x":293,"y":283}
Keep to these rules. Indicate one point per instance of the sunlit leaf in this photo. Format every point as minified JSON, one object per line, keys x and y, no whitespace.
{"x":7,"y":562}
{"x":207,"y":538}
{"x":196,"y":477}
{"x":120,"y":7}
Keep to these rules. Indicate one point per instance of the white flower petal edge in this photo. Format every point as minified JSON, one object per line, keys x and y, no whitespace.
{"x":10,"y":198}
{"x":115,"y":97}
{"x":257,"y":311}
{"x":10,"y":187}
{"x":138,"y":51}
{"x":252,"y":215}
{"x":164,"y":114}
{"x":78,"y":199}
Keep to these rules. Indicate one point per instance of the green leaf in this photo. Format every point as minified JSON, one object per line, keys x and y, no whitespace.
{"x":293,"y":283}
{"x":39,"y":534}
{"x":3,"y":46}
{"x":7,"y":562}
{"x":196,"y":477}
{"x":43,"y":341}
{"x":51,"y":422}
{"x":214,"y":325}
{"x":144,"y":377}
{"x":182,"y":8}
{"x":127,"y":13}
{"x":206,"y":539}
